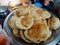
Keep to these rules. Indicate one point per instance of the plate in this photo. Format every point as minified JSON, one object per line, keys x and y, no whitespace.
{"x":51,"y":41}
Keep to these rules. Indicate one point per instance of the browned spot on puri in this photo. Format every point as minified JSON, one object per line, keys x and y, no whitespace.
{"x":34,"y":32}
{"x":26,"y":21}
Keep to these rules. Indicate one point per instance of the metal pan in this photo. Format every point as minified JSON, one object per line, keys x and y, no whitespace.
{"x":51,"y":41}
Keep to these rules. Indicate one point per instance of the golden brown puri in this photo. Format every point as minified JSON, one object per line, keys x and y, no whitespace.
{"x":54,"y":23}
{"x":23,"y":10}
{"x":45,"y":15}
{"x":38,"y":32}
{"x":24,"y":22}
{"x":23,"y":37}
{"x":35,"y":15}
{"x":16,"y":32}
{"x":12,"y":21}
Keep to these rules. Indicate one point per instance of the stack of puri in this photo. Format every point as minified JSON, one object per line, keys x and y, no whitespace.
{"x":29,"y":23}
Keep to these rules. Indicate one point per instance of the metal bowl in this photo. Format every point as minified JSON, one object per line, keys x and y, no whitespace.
{"x":55,"y":37}
{"x":3,"y":8}
{"x":3,"y":11}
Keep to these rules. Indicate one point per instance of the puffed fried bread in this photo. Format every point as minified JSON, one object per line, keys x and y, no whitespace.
{"x":12,"y":21}
{"x":38,"y":32}
{"x":23,"y":37}
{"x":16,"y":32}
{"x":24,"y":22}
{"x":45,"y":15}
{"x":54,"y":23}
{"x":35,"y":15}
